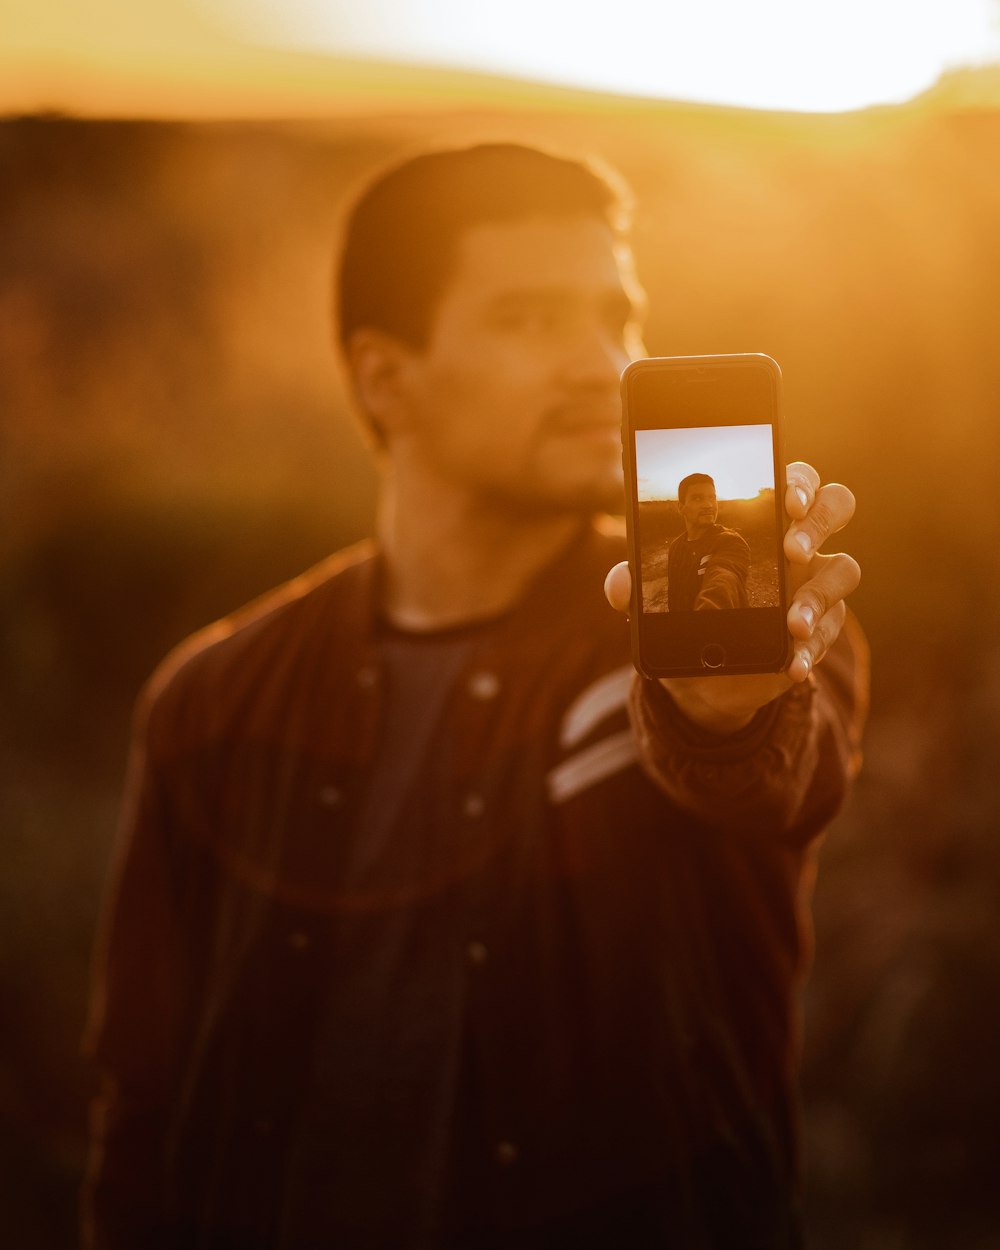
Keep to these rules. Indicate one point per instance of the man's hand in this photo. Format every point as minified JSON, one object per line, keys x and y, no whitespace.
{"x":818,"y":585}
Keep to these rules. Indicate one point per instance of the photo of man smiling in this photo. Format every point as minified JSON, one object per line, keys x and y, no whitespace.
{"x":707,"y":565}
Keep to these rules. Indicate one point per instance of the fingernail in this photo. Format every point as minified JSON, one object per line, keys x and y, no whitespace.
{"x":806,"y":660}
{"x":803,"y":497}
{"x":804,"y":542}
{"x":807,"y":614}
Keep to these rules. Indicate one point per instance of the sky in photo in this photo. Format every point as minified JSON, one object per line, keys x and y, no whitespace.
{"x":738,"y":458}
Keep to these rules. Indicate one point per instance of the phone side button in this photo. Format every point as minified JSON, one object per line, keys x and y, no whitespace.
{"x":713,"y":655}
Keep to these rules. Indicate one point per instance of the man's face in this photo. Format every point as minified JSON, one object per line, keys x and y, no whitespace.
{"x":700,"y":507}
{"x":515,"y":399}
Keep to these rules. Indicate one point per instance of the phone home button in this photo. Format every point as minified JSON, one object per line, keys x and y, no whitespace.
{"x":713,"y":655}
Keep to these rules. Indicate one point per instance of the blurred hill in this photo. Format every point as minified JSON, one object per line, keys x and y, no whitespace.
{"x":176,"y":439}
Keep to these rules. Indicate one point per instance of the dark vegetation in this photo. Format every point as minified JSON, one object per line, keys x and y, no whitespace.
{"x":175,"y":440}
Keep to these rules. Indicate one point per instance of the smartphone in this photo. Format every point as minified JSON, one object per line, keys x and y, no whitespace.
{"x":704,"y":487}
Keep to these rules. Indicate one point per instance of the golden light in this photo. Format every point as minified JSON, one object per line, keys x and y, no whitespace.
{"x":288,"y":57}
{"x":776,"y":54}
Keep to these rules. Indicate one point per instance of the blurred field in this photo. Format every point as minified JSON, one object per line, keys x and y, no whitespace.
{"x":659,"y":522}
{"x":175,"y":439}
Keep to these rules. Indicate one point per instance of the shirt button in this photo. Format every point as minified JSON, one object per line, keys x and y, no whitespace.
{"x":505,"y":1153}
{"x":331,"y":796}
{"x":299,"y":940}
{"x":474,"y":804}
{"x":477,"y":954}
{"x":484,"y":685}
{"x":367,"y":677}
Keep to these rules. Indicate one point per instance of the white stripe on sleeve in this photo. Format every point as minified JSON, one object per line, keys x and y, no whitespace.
{"x":600,"y":699}
{"x":591,"y":765}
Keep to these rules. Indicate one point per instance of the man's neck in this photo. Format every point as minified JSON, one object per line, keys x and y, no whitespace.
{"x":452,"y":558}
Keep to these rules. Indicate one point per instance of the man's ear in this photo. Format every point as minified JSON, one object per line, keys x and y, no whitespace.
{"x":378,"y":368}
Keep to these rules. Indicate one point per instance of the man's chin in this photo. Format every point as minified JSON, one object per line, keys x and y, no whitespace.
{"x":565,"y":499}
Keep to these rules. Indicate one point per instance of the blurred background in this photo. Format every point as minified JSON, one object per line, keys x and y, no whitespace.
{"x":176,"y":439}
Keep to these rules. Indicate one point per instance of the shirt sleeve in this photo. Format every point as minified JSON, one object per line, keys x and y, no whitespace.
{"x":787,"y":772}
{"x":724,"y":582}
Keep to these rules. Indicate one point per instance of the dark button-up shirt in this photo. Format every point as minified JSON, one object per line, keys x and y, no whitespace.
{"x":708,"y":572}
{"x":558,"y":1000}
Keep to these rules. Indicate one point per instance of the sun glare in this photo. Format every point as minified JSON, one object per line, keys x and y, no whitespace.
{"x":794,"y":55}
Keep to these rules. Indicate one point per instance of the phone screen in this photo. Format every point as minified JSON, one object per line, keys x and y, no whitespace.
{"x":704,"y":482}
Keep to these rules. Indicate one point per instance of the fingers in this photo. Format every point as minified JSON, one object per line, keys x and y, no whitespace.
{"x":618,"y":587}
{"x":817,"y":614}
{"x":802,"y":484}
{"x":808,"y":654}
{"x":831,"y":509}
{"x":835,"y":577}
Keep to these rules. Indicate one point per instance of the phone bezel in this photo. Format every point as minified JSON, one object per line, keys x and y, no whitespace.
{"x":750,"y":640}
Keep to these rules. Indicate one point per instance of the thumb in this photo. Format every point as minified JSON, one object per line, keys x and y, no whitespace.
{"x":618,"y":587}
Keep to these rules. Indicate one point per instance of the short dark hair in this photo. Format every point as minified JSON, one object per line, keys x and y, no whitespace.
{"x":692,"y":479}
{"x":401,"y":235}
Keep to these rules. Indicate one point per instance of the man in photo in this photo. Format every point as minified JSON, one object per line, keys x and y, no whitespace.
{"x":708,"y":564}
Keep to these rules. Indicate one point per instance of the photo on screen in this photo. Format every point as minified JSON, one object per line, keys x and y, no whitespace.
{"x":707,"y":525}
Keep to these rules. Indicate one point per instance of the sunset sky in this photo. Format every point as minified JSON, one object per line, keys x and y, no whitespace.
{"x":738,"y":458}
{"x":206,"y":57}
{"x":784,"y":54}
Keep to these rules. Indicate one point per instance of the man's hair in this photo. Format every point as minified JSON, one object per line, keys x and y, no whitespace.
{"x":692,"y":479}
{"x":402,"y":233}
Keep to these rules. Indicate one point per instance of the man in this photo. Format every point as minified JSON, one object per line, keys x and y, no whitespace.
{"x":707,"y":565}
{"x":415,"y":939}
